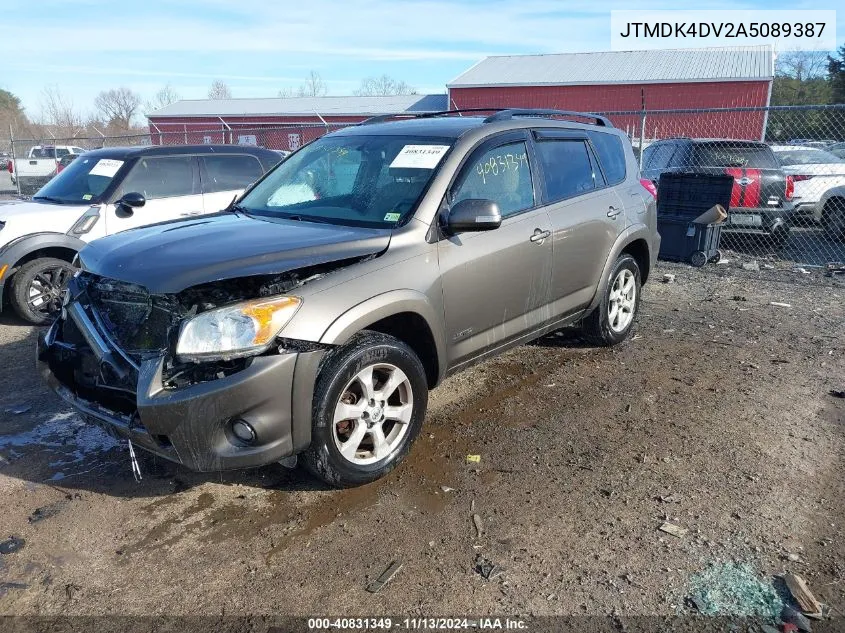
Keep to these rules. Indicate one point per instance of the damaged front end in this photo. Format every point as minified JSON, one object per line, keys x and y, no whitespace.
{"x":113,"y":354}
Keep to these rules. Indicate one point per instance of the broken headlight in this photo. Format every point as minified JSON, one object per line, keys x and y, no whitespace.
{"x":238,"y":330}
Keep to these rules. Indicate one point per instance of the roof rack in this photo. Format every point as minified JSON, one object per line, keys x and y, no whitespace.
{"x":501,"y":114}
{"x":381,"y":118}
{"x":504,"y":115}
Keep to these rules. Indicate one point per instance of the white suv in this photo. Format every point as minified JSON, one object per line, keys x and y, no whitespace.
{"x":106,"y":191}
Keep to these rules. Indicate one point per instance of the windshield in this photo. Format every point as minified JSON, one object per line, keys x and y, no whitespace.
{"x":371,"y":181}
{"x":82,"y":182}
{"x":733,"y":155}
{"x":806,"y":157}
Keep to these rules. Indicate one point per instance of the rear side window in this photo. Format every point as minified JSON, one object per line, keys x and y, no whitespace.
{"x":611,"y":156}
{"x":227,"y":173}
{"x":568,"y":169}
{"x":161,"y":177}
{"x":733,"y":154}
{"x":658,"y":156}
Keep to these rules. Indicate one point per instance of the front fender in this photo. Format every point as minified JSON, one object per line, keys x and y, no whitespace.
{"x":386,"y":305}
{"x":628,"y":236}
{"x":17,"y":249}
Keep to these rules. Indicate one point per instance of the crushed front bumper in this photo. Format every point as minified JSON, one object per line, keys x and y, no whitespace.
{"x":190,"y":425}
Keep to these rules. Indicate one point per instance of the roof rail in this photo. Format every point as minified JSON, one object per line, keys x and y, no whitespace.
{"x":381,"y":118}
{"x":504,"y":115}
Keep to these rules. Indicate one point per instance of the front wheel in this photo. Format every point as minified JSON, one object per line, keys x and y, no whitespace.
{"x":611,"y":321}
{"x":37,"y":289}
{"x":369,"y":404}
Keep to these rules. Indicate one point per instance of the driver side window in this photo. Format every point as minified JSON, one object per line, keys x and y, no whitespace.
{"x":501,"y":174}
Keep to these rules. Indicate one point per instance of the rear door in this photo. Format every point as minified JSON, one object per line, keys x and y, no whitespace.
{"x":170,"y":185}
{"x":585,"y":211}
{"x":224,"y":176}
{"x":496,"y":283}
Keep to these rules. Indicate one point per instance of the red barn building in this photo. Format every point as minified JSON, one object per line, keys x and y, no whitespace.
{"x":275,"y":123}
{"x":621,"y":82}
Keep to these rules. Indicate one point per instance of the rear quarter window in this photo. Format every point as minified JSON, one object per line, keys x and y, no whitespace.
{"x":611,"y":155}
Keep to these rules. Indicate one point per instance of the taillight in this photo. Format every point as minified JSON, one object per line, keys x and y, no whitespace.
{"x":800,"y":177}
{"x":790,"y":187}
{"x":59,"y":168}
{"x":10,"y":165}
{"x":649,"y":186}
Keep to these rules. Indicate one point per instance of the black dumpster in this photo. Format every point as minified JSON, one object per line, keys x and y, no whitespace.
{"x":681,"y":198}
{"x":685,"y":241}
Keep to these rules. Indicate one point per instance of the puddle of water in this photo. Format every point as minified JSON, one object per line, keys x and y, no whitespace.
{"x":63,"y":434}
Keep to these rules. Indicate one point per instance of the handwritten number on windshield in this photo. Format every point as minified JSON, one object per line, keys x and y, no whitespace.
{"x":500,"y":164}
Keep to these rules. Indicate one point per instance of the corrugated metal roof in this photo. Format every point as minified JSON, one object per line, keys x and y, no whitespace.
{"x":731,"y":63}
{"x":303,"y":106}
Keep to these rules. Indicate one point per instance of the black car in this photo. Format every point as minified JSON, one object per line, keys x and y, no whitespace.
{"x":761,"y":200}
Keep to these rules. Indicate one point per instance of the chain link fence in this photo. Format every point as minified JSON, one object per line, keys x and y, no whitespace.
{"x":787,"y":205}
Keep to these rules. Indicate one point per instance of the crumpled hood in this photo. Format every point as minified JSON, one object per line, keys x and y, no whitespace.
{"x":169,"y":257}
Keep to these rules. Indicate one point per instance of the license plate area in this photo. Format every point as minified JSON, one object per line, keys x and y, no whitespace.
{"x":746,"y":219}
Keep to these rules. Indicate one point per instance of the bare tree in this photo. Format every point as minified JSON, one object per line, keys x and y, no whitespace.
{"x":164,"y":97}
{"x":801,"y":65}
{"x":384,"y":86}
{"x":118,"y":106}
{"x":314,"y":86}
{"x":286,"y":93}
{"x":219,"y":90}
{"x":58,"y":111}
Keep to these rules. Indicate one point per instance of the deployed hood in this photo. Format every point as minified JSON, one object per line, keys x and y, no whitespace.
{"x":167,"y":258}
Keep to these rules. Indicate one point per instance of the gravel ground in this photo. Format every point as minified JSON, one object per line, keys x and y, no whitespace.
{"x":716,"y":417}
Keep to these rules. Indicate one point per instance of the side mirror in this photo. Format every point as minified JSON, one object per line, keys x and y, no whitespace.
{"x":130,"y":201}
{"x":472,"y":215}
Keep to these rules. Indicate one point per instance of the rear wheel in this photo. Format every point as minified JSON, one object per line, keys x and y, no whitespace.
{"x":37,"y":289}
{"x":698,"y":259}
{"x":833,"y":219}
{"x":369,"y":404}
{"x":612,"y":320}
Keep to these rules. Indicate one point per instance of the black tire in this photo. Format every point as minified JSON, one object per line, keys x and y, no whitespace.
{"x":717,"y":257}
{"x":833,"y":220}
{"x":47,"y":274}
{"x":596,"y":327}
{"x":323,"y":457}
{"x":698,"y":259}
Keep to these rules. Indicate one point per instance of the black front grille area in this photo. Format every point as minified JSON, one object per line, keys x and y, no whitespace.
{"x":138,"y":321}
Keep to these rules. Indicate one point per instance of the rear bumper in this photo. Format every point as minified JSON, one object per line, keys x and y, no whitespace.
{"x":191,"y":425}
{"x":761,"y":221}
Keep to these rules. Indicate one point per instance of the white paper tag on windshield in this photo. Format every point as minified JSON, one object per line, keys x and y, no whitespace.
{"x":106,"y":167}
{"x":419,"y":156}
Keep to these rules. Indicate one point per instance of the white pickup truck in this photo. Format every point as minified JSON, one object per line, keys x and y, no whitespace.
{"x":39,"y":166}
{"x":105,"y":191}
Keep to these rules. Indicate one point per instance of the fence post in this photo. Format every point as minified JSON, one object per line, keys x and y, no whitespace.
{"x":185,"y":127}
{"x":642,"y":128}
{"x":12,"y":141}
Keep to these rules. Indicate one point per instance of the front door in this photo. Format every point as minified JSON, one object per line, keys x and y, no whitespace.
{"x":496,"y":283}
{"x":170,"y":186}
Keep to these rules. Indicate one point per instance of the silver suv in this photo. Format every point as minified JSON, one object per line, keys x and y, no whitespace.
{"x":313,"y":316}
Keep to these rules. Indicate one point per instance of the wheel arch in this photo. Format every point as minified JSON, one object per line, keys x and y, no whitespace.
{"x":405,"y":314}
{"x":28,"y":247}
{"x":635,"y":242}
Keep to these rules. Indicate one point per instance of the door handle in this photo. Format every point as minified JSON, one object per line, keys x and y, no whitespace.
{"x":612,"y":211}
{"x":539,"y":236}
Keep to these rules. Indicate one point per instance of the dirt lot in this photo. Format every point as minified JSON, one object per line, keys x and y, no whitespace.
{"x":720,"y":406}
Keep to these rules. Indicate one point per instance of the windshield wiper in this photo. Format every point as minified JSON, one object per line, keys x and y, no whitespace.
{"x":306,"y":218}
{"x":49,"y":199}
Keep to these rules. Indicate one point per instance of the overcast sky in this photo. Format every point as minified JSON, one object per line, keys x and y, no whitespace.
{"x":261,"y":46}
